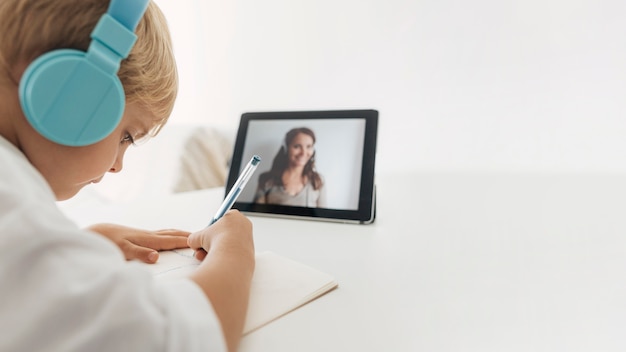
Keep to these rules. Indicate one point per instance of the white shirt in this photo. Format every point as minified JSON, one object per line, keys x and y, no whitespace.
{"x":67,"y":289}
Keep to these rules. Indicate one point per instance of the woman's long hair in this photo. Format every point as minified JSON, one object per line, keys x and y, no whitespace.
{"x":281,"y":162}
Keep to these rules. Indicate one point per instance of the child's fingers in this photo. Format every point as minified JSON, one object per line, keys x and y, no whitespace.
{"x":161,"y":242}
{"x":200,"y":254}
{"x":194,"y":240}
{"x":173,"y":232}
{"x":144,"y":254}
{"x":170,"y":242}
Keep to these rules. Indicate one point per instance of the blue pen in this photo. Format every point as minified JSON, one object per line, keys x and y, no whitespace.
{"x":230,"y":199}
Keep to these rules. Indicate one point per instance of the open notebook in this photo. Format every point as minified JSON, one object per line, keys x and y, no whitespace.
{"x":279,"y":285}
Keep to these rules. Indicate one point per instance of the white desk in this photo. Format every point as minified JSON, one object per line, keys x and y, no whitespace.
{"x":454,"y":262}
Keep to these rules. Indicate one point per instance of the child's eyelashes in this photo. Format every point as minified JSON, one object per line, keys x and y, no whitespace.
{"x":128,"y":139}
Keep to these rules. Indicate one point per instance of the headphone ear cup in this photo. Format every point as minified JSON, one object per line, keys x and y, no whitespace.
{"x":69,"y":100}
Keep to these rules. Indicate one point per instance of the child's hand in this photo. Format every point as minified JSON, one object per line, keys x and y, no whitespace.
{"x":226,"y":249}
{"x":232,"y":232}
{"x":142,"y":244}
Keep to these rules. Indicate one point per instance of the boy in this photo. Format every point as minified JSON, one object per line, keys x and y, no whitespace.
{"x":67,"y":289}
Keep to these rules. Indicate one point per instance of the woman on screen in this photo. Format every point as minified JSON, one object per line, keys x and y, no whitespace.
{"x":293,"y":179}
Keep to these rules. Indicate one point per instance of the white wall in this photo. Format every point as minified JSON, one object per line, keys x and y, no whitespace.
{"x":483,"y":84}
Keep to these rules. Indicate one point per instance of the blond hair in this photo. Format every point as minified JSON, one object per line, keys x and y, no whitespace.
{"x":31,"y":28}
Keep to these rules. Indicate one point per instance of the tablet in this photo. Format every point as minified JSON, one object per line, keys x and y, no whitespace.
{"x":316,"y":165}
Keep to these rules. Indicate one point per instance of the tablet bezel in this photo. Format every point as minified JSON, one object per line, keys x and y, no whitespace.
{"x":365,"y":213}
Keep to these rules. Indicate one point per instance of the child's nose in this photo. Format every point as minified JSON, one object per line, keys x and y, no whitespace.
{"x":117,"y":166}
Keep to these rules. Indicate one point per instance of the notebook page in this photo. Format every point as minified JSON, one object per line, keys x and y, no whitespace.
{"x":279,"y":285}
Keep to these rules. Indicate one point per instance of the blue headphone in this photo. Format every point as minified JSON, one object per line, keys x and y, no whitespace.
{"x":75,"y":98}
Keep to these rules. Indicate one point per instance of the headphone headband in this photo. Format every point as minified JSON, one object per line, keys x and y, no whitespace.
{"x":128,"y":12}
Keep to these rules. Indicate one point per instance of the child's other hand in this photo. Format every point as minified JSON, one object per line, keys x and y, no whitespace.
{"x":142,"y":244}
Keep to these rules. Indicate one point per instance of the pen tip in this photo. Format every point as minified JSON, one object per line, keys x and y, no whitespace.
{"x":256,"y":159}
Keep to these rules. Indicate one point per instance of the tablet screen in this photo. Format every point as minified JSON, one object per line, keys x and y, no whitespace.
{"x":314,"y":164}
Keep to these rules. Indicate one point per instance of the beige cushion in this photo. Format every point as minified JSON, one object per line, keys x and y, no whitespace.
{"x":204,"y":160}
